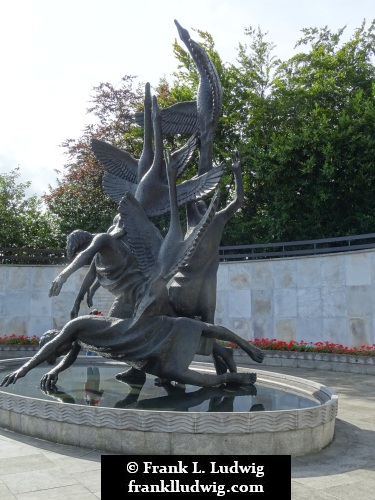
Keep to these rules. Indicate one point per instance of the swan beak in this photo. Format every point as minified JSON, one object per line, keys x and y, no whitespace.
{"x":184,"y":34}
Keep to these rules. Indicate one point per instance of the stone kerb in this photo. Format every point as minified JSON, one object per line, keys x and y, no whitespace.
{"x":316,"y":361}
{"x":17,"y":351}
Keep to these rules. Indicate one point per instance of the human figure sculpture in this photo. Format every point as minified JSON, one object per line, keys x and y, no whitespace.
{"x":115,"y":268}
{"x":111,"y":263}
{"x":118,"y":250}
{"x":192,"y":291}
{"x":162,"y":346}
{"x":150,"y":341}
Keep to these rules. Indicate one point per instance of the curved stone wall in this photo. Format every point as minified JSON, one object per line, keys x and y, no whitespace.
{"x":314,"y":298}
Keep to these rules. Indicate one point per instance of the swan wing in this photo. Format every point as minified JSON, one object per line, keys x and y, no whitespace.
{"x":200,"y":186}
{"x":196,"y":188}
{"x":116,"y":187}
{"x":115,"y":160}
{"x":193,"y":240}
{"x":180,"y":118}
{"x":183,"y":156}
{"x":143,"y":237}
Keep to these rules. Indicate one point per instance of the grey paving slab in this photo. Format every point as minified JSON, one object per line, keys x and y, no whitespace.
{"x":23,"y":482}
{"x":91,"y":480}
{"x":26,"y":463}
{"x":301,"y":491}
{"x":9,"y":449}
{"x":73,"y":466}
{"x":75,"y":492}
{"x":360,"y":490}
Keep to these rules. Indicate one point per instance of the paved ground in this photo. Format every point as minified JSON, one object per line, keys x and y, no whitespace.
{"x":345,"y":470}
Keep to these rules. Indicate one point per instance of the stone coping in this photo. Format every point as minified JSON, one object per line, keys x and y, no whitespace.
{"x":18,"y":347}
{"x":313,"y":360}
{"x":293,"y":432}
{"x":19,"y":351}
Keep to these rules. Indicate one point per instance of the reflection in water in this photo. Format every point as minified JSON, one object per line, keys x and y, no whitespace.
{"x":92,"y":393}
{"x":60,"y":396}
{"x":96,"y":385}
{"x":226,"y":403}
{"x":177,"y":399}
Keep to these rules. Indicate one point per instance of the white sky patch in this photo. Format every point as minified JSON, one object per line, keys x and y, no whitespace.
{"x":54,"y":53}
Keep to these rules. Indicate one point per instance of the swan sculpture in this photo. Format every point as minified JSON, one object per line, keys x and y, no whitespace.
{"x":151,"y":190}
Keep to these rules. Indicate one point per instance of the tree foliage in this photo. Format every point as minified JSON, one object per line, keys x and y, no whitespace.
{"x":310,"y":142}
{"x":24,"y":222}
{"x":79,"y":199}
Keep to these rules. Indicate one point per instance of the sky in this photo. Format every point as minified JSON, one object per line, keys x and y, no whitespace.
{"x":54,"y":53}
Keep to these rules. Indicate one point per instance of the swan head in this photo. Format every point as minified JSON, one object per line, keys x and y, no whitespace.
{"x":184,"y":34}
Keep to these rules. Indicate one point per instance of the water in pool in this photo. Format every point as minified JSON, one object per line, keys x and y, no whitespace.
{"x":96,"y":385}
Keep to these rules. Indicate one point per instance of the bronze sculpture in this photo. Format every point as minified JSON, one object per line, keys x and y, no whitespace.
{"x":164,"y":288}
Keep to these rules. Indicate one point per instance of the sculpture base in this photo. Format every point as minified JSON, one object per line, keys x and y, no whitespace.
{"x":131,"y":430}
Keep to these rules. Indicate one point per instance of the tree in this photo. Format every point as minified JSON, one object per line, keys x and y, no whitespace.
{"x":305,"y":131}
{"x":24,"y":222}
{"x":314,"y":164}
{"x":247,"y":119}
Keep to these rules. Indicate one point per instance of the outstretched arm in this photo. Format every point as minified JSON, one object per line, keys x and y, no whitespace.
{"x":234,"y":205}
{"x":50,"y":348}
{"x":84,"y":258}
{"x":85,"y":288}
{"x":49,"y":379}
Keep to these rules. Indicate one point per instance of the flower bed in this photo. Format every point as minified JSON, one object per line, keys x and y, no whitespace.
{"x":19,"y":340}
{"x":18,"y":346}
{"x":309,"y":355}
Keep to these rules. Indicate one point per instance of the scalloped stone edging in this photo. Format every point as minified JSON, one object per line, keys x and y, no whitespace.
{"x":293,"y":432}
